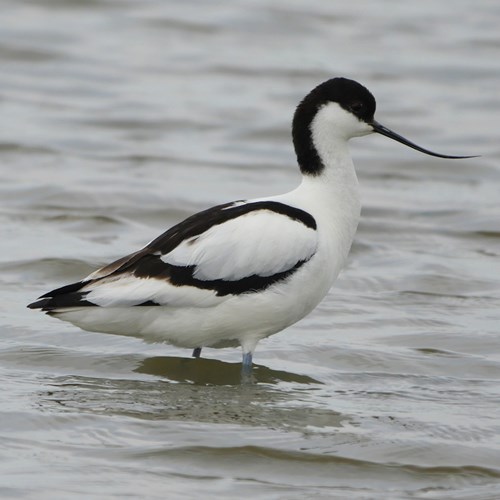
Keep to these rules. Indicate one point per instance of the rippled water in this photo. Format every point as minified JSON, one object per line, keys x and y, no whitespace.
{"x":120,"y":118}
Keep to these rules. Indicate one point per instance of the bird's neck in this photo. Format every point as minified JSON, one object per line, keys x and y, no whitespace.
{"x":329,"y":185}
{"x":332,"y":195}
{"x":336,"y":183}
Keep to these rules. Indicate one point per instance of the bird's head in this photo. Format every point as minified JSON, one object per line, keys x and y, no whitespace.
{"x":337,"y":110}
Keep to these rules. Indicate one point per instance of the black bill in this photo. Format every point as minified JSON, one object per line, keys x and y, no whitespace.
{"x":380,"y":129}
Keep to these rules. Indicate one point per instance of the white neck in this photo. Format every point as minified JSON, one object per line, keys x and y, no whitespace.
{"x":331,"y":195}
{"x":336,"y":186}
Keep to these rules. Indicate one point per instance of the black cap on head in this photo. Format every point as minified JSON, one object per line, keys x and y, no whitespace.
{"x":350,"y":95}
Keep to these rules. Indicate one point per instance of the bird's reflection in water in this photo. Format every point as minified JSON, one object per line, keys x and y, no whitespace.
{"x":204,"y":371}
{"x":196,"y":390}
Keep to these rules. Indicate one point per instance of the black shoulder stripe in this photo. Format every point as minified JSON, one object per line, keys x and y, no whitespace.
{"x":202,"y":221}
{"x":292,"y":212}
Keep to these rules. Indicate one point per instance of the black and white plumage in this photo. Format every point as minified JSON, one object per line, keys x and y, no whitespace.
{"x":201,"y":260}
{"x":239,"y":272}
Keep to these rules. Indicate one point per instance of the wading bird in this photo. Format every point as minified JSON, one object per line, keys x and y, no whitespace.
{"x":239,"y":272}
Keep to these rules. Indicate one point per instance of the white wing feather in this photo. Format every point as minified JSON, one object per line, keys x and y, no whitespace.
{"x":130,"y":290}
{"x":259,"y":243}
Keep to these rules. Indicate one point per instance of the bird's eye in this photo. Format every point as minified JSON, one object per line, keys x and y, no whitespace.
{"x":356,"y":107}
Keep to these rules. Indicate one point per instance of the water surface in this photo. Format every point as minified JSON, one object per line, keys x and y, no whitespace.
{"x":121,"y":118}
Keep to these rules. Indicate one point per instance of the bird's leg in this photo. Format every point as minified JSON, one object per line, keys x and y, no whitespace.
{"x":246,"y":368}
{"x":196,"y":352}
{"x":247,"y":348}
{"x":247,"y":362}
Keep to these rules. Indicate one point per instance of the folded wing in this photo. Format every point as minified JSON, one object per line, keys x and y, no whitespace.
{"x":228,"y":250}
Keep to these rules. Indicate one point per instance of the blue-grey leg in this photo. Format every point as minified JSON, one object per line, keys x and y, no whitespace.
{"x":246,"y":365}
{"x":196,"y":352}
{"x":247,"y":348}
{"x":246,"y":369}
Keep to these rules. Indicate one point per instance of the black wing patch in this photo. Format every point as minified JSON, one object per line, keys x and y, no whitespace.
{"x":147,"y":263}
{"x":202,"y":221}
{"x":153,"y":267}
{"x":65,"y":296}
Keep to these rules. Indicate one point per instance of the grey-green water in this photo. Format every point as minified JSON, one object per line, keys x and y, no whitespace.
{"x":118,"y":119}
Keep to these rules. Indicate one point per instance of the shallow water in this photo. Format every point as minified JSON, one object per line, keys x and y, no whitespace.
{"x":121,"y":118}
